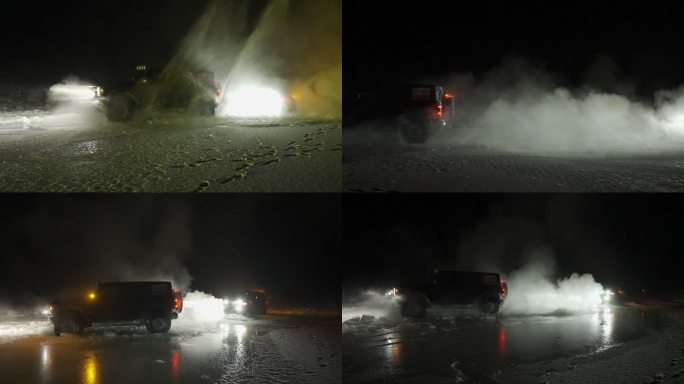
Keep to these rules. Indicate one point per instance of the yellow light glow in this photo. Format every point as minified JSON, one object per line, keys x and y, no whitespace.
{"x":90,"y":370}
{"x":91,"y":295}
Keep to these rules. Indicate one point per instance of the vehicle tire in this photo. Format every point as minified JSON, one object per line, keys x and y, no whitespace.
{"x":202,"y":107}
{"x":58,"y":330}
{"x":158,"y":324}
{"x":71,"y":325}
{"x":488,"y":306}
{"x":210,"y":110}
{"x":414,"y":134}
{"x":413,"y":307}
{"x":120,"y":108}
{"x":259,"y":310}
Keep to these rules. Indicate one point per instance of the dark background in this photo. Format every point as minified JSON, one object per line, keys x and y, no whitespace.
{"x":623,"y":240}
{"x":412,"y":39}
{"x":99,"y":41}
{"x":288,"y":244}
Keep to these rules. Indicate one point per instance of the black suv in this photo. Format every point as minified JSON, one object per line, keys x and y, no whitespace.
{"x":421,"y":109}
{"x":153,"y":304}
{"x":487,"y":291}
{"x":196,"y":92}
{"x":250,"y":303}
{"x":425,"y":109}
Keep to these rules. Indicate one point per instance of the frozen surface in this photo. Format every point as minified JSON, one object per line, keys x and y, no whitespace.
{"x":616,"y":344}
{"x":78,"y":151}
{"x":270,"y":349}
{"x":376,"y":161}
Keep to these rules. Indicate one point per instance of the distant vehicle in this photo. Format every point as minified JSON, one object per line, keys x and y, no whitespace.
{"x":487,"y":291}
{"x":425,"y":109}
{"x":81,"y":94}
{"x":421,"y":109}
{"x":152,"y":304}
{"x":250,"y":303}
{"x":196,"y":92}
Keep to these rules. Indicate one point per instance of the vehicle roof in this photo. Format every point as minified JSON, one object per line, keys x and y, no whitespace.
{"x":422,"y":85}
{"x":134,"y":283}
{"x":467,"y":272}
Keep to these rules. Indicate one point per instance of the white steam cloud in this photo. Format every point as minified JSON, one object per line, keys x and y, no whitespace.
{"x":200,"y":311}
{"x":294,"y":48}
{"x":520,"y":107}
{"x":518,"y":249}
{"x":534,"y":291}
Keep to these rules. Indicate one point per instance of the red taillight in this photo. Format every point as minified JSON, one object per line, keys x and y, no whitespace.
{"x":438,"y":110}
{"x":177,"y":300}
{"x":503,"y":287}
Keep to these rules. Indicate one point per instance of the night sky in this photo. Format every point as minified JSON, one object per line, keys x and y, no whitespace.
{"x":623,"y":240}
{"x":44,"y":41}
{"x":421,"y":38}
{"x":288,"y":244}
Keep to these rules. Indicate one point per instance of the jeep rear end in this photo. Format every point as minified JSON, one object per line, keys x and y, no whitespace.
{"x":425,"y":109}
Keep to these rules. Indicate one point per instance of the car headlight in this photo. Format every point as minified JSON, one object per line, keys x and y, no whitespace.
{"x":392,"y":292}
{"x":607,"y":295}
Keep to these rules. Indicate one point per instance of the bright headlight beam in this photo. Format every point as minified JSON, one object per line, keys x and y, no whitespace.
{"x":65,"y":92}
{"x":255,"y":101}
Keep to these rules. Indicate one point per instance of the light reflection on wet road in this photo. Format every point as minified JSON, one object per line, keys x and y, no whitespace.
{"x":481,"y":346}
{"x":238,"y":351}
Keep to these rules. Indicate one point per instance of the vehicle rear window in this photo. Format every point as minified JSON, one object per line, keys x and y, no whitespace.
{"x":490,"y":279}
{"x":159,"y":288}
{"x":421,"y":94}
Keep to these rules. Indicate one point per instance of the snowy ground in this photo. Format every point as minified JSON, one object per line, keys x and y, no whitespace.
{"x":620,"y":344}
{"x":271,"y":349}
{"x":376,"y":161}
{"x":69,"y":150}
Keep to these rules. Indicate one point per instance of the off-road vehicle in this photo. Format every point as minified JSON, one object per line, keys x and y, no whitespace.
{"x":419,"y":110}
{"x":152,"y":304}
{"x":486,"y":291}
{"x":250,"y":303}
{"x":149,"y":88}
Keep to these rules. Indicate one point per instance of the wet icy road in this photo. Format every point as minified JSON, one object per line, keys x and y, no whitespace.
{"x":379,"y":163}
{"x":617,"y":345}
{"x":49,"y":152}
{"x":273,"y":349}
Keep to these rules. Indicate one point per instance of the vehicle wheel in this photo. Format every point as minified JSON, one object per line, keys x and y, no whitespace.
{"x":259,"y":309}
{"x":488,"y":306}
{"x":201,"y":107}
{"x":58,"y":330}
{"x":413,"y":308}
{"x":210,"y":110}
{"x":158,"y":324}
{"x":414,"y":134}
{"x":72,"y":326}
{"x":120,"y":108}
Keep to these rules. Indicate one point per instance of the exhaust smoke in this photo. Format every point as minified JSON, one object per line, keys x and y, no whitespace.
{"x":534,"y":291}
{"x":521,"y":107}
{"x":289,"y":47}
{"x":200,"y":311}
{"x":518,"y":249}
